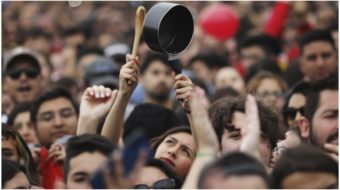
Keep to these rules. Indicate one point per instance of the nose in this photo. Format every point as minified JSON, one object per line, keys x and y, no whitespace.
{"x":172,"y":151}
{"x":320,"y":61}
{"x":23,"y":76}
{"x":58,"y":121}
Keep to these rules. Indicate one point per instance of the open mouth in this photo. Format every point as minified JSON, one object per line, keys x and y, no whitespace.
{"x":168,"y":161}
{"x":24,"y":89}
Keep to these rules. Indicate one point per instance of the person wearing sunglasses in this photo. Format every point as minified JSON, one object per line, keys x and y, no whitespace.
{"x":23,"y":79}
{"x":295,"y":102}
{"x":157,"y":175}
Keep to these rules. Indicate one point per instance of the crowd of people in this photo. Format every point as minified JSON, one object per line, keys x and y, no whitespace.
{"x":258,"y":109}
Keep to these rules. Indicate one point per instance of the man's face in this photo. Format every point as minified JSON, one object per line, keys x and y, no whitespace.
{"x":232,"y":139}
{"x":9,"y":150}
{"x":229,"y":77}
{"x":157,"y":81}
{"x":202,"y":72}
{"x":325,"y":120}
{"x":250,"y":55}
{"x":55,"y":118}
{"x":319,"y":59}
{"x":23,"y":81}
{"x":82,"y":167}
{"x":24,"y":126}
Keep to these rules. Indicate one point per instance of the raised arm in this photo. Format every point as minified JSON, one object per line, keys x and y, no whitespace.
{"x":114,"y":123}
{"x":204,"y":136}
{"x":95,"y":104}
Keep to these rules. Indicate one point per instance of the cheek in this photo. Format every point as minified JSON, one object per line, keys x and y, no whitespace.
{"x":229,"y":145}
{"x":265,"y":152}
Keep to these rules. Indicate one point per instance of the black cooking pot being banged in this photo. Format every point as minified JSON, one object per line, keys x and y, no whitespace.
{"x":168,"y":28}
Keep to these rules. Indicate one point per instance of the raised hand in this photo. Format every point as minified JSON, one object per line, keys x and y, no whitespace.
{"x":95,"y":104}
{"x":251,"y":131}
{"x":183,"y":86}
{"x":128,"y":76}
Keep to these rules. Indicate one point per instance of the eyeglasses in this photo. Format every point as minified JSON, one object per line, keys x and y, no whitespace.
{"x":161,"y":184}
{"x":290,"y":113}
{"x":49,"y":115}
{"x":31,"y":73}
{"x":266,"y":94}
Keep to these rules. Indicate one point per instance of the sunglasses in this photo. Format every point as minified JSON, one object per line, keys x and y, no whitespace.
{"x":31,"y":73}
{"x":291,"y":112}
{"x":161,"y":184}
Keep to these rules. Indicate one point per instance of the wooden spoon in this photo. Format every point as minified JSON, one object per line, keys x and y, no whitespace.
{"x":139,"y":21}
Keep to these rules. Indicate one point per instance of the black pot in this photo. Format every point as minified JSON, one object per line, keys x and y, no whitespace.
{"x":168,"y":28}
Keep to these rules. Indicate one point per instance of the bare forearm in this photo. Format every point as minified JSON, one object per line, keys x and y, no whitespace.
{"x":114,"y":122}
{"x":87,"y":125}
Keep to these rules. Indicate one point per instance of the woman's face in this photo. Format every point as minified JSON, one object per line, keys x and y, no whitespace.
{"x":9,"y":150}
{"x":270,"y":93}
{"x":296,"y":102}
{"x":178,"y":151}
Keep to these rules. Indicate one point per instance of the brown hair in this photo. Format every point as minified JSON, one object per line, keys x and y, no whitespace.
{"x":155,"y":142}
{"x":255,"y":82}
{"x":222,"y":110}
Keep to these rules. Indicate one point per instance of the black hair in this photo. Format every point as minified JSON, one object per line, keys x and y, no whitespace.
{"x":221,"y":111}
{"x":85,"y":143}
{"x":302,"y":87}
{"x":167,"y":170}
{"x":304,"y":158}
{"x":263,"y":65}
{"x":51,"y":94}
{"x":89,"y":50}
{"x":269,"y":44}
{"x":313,"y":99}
{"x":234,"y":164}
{"x":150,"y":58}
{"x":9,"y":169}
{"x":317,"y":35}
{"x":24,"y":153}
{"x":211,"y":60}
{"x":19,"y":108}
{"x":153,"y":119}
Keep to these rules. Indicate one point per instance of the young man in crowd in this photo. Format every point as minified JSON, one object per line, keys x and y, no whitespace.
{"x":320,"y":125}
{"x":55,"y":115}
{"x":23,"y":79}
{"x":84,"y":155}
{"x":156,"y":78}
{"x":228,"y":119}
{"x":318,"y":55}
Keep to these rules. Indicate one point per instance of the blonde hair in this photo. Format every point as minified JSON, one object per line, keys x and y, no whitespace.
{"x":255,"y":82}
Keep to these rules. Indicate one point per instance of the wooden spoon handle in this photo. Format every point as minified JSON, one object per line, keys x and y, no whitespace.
{"x":139,"y":21}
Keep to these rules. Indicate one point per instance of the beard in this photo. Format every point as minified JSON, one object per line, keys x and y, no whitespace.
{"x":160,"y":96}
{"x":314,"y":139}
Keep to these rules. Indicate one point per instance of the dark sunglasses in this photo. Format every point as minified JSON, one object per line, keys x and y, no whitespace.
{"x":161,"y":184}
{"x":291,"y":112}
{"x":31,"y":73}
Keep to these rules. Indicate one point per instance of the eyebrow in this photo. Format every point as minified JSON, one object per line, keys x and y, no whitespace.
{"x":184,"y":145}
{"x":80,"y":173}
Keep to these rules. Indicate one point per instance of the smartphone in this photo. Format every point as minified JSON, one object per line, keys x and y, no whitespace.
{"x":135,"y":142}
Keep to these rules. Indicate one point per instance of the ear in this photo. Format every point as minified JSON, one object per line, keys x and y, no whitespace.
{"x":304,"y":127}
